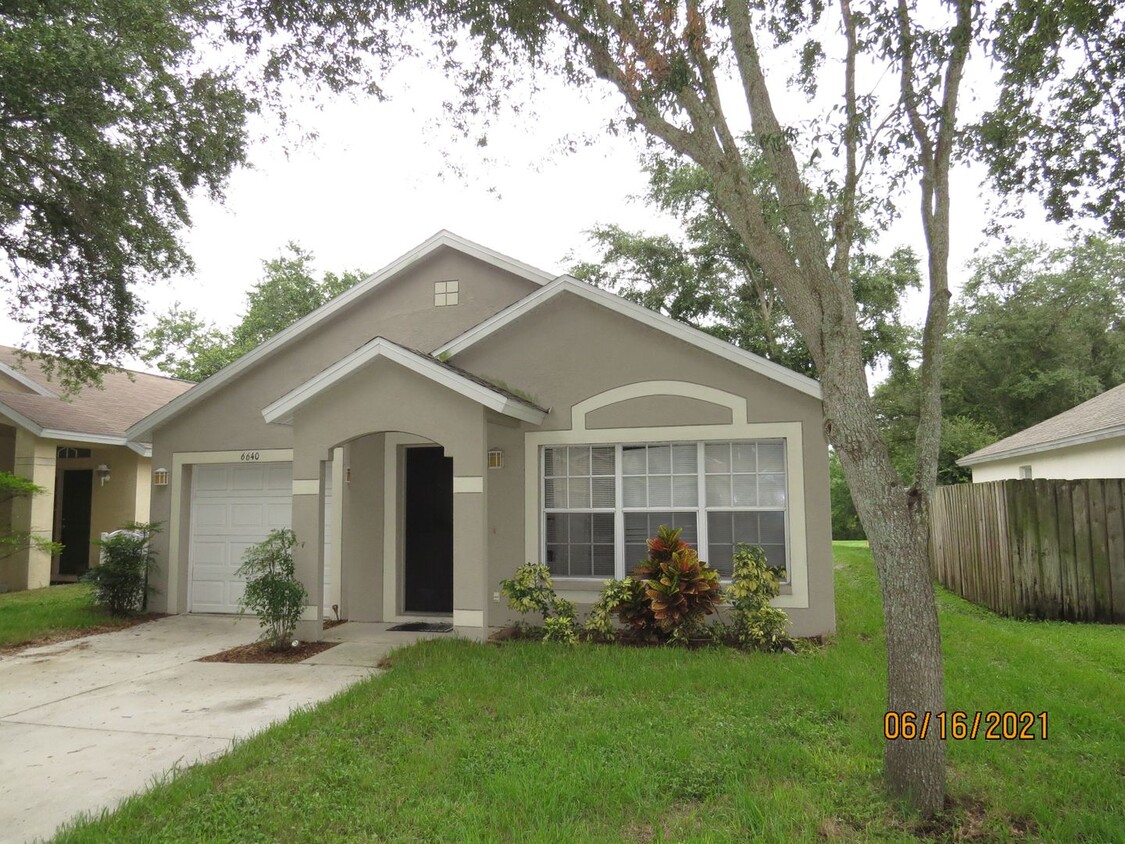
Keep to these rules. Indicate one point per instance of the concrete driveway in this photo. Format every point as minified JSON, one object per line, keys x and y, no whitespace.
{"x":85,"y":723}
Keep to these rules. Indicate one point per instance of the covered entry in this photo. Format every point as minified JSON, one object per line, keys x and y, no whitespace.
{"x":416,"y":434}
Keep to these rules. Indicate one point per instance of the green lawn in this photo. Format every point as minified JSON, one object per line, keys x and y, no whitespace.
{"x":532,"y":742}
{"x":56,"y":610}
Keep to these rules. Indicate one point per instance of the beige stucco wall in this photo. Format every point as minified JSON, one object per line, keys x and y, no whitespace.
{"x":582,"y":349}
{"x":563,"y":353}
{"x":123,"y":498}
{"x":401,"y":309}
{"x":1101,"y":459}
{"x":385,"y":396}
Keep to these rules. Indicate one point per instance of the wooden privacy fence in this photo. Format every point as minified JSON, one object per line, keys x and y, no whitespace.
{"x":1044,"y":548}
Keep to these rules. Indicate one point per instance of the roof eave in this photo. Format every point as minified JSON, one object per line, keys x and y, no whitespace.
{"x":1051,"y":445}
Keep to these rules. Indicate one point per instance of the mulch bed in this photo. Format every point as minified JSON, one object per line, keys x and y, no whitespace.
{"x":260,"y":652}
{"x":629,"y":640}
{"x":68,"y":635}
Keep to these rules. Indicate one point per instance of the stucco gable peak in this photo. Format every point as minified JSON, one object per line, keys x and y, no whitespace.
{"x":567,"y":284}
{"x":471,"y":386}
{"x":441,"y":239}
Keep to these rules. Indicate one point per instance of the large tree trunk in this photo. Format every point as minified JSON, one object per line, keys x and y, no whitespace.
{"x":897,"y":524}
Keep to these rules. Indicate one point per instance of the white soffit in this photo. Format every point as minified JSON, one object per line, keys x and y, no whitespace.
{"x":700,"y":339}
{"x":144,"y":428}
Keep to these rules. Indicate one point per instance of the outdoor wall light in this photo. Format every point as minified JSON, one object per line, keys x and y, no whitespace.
{"x":495,"y":458}
{"x":160,"y":477}
{"x":103,"y":473}
{"x":347,"y":474}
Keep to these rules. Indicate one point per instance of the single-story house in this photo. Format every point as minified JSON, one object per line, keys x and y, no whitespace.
{"x":1087,"y":441}
{"x":74,"y":447}
{"x":459,"y":413}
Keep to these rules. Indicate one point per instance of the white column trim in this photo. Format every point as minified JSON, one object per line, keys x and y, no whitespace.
{"x":306,"y":487}
{"x":468,"y":483}
{"x":468,"y":618}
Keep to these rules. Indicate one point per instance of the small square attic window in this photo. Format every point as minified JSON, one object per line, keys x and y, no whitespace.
{"x":445,"y":293}
{"x":1025,"y":473}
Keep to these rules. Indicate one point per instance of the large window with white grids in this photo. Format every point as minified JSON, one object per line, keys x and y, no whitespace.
{"x":602,"y":502}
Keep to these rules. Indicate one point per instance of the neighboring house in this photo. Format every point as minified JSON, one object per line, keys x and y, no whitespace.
{"x":1087,"y":441}
{"x":76,"y":449}
{"x":459,"y":413}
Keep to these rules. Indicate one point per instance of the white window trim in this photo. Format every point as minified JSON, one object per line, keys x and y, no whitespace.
{"x":740,"y":429}
{"x":700,"y":509}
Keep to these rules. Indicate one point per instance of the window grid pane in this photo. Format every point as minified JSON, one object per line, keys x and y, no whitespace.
{"x":744,"y":484}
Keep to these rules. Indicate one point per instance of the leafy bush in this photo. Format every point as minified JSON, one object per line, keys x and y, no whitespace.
{"x":532,"y":590}
{"x":615,"y":597}
{"x":678,"y":589}
{"x":561,"y":629}
{"x":120,"y":580}
{"x":753,"y":585}
{"x":272,"y":589}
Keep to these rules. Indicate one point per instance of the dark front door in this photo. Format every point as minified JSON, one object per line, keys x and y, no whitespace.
{"x":77,"y":489}
{"x":428,"y":554}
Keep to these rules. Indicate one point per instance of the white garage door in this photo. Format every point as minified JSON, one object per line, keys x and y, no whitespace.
{"x":234,"y":506}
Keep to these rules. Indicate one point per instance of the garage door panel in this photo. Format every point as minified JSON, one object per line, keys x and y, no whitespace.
{"x":207,"y":478}
{"x":279,"y":478}
{"x":247,"y":516}
{"x":208,"y":517}
{"x":279,"y":516}
{"x":249,"y":477}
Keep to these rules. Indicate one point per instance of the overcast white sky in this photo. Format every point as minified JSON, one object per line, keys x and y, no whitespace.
{"x":372,"y":187}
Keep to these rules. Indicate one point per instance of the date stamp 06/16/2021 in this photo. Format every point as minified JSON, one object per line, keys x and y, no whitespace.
{"x":993,"y":725}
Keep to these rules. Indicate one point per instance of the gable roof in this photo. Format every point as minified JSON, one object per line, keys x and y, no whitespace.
{"x":471,"y":386}
{"x":143,"y":428}
{"x":1100,"y":418}
{"x":693,"y":336}
{"x":98,"y":415}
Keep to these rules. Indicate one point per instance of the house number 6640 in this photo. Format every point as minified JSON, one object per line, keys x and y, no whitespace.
{"x":250,"y":456}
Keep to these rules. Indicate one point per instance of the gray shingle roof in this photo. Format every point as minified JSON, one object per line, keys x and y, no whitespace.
{"x":1103,"y":414}
{"x":124,"y":398}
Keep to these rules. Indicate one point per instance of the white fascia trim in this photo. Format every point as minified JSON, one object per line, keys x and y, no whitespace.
{"x":22,"y":378}
{"x":1052,"y":445}
{"x":143,"y":449}
{"x":142,"y":429}
{"x":282,"y":410}
{"x":694,"y":336}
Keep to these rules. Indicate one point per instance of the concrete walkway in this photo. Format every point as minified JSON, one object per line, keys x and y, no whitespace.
{"x":85,"y":723}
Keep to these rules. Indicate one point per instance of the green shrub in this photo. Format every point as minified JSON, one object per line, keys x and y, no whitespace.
{"x":272,"y":589}
{"x":678,"y":589}
{"x":615,"y":595}
{"x":754,"y":584}
{"x":120,"y":580}
{"x":532,"y":590}
{"x":561,"y":629}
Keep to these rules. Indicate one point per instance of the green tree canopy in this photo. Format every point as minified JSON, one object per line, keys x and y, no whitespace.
{"x":1036,"y":332}
{"x":710,"y":280}
{"x":113,"y":114}
{"x":183,"y":345}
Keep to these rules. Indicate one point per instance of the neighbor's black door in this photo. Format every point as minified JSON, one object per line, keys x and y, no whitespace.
{"x":77,"y":490}
{"x":428,"y":552}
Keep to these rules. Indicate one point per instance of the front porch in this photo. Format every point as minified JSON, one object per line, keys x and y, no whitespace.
{"x":410,"y":436}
